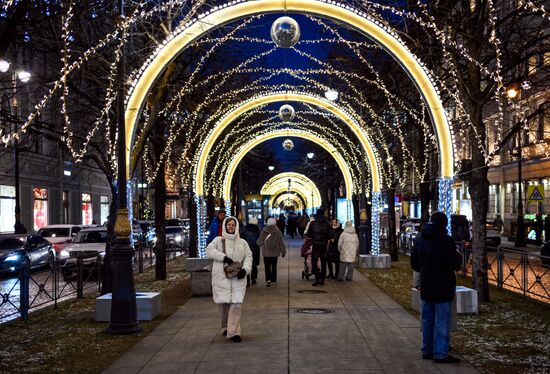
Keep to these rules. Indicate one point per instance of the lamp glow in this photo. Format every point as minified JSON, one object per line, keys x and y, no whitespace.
{"x":4,"y":65}
{"x":23,"y":76}
{"x":310,"y":155}
{"x":271,"y":167}
{"x":331,"y":95}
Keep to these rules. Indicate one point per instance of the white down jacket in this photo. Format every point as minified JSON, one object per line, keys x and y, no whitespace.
{"x":348,"y":245}
{"x":225,"y":290}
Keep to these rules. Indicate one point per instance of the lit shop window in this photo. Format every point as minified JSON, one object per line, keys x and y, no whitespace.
{"x":40,"y":209}
{"x":87,"y":209}
{"x":104,"y":209}
{"x":7,"y":208}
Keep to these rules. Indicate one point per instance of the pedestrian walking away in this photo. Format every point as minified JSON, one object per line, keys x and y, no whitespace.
{"x":251,"y":233}
{"x":333,"y":255}
{"x":436,"y":258}
{"x":272,"y":245}
{"x":348,"y":245}
{"x":228,"y":289}
{"x":320,"y":233}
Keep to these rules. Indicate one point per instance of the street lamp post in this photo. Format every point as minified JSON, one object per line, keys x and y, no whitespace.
{"x":24,"y":77}
{"x":514,"y":93}
{"x":123,"y":301}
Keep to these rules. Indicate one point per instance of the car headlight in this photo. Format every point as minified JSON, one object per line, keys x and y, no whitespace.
{"x":65,"y":253}
{"x":12,"y":258}
{"x":178,"y":238}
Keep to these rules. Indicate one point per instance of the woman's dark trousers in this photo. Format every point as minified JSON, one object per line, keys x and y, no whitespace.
{"x":270,"y":269}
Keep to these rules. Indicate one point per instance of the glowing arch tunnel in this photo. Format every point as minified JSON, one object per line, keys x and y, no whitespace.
{"x":298,"y":182}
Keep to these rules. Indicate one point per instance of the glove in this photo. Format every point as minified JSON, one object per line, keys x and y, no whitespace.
{"x":227,"y":260}
{"x":241,"y":274}
{"x":284,"y":255}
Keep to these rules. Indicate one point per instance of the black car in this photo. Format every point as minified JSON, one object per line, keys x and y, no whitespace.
{"x":18,"y":249}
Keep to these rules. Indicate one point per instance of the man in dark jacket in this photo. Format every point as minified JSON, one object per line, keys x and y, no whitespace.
{"x":251,"y":233}
{"x":320,"y":233}
{"x":436,"y":259}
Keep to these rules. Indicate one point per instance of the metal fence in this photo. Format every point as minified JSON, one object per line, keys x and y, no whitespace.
{"x":522,"y":272}
{"x":29,"y":291}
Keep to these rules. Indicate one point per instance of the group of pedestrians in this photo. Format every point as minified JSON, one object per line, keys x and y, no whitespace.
{"x":333,"y":248}
{"x":294,"y":224}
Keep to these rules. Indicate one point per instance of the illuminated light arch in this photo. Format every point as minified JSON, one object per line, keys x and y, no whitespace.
{"x":244,"y":149}
{"x":222,"y":124}
{"x":298,"y":182}
{"x":289,"y":196}
{"x":220,"y":15}
{"x":299,"y":193}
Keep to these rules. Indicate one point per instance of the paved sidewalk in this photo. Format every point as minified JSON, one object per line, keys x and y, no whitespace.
{"x":366,"y":332}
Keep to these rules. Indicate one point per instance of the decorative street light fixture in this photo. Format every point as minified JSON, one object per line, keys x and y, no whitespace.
{"x":331,"y":94}
{"x":514,"y":93}
{"x":285,"y":32}
{"x":310,"y":155}
{"x":271,"y":167}
{"x":4,"y":65}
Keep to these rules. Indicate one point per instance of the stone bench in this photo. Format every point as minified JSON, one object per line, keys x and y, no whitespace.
{"x":148,"y":306}
{"x":382,"y":261}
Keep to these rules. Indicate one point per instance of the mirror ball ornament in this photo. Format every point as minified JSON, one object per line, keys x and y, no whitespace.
{"x":286,"y":113}
{"x":288,"y":145}
{"x":285,"y":32}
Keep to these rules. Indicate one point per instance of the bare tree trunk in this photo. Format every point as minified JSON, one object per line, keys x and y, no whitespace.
{"x":160,"y":225}
{"x":479,"y":193}
{"x":193,"y":232}
{"x":392,"y":238}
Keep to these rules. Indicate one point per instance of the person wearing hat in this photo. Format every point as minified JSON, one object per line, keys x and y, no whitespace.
{"x":272,"y":245}
{"x":436,"y":258}
{"x":216,"y":227}
{"x":228,"y":292}
{"x":251,"y":233}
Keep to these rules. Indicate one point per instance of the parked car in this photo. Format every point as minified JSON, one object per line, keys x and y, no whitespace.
{"x":176,"y":236}
{"x":147,"y":232}
{"x":18,"y":249}
{"x":60,"y":235}
{"x":409,"y":232}
{"x":88,"y":243}
{"x":493,"y":236}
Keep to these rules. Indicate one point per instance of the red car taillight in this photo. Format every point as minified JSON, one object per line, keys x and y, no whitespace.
{"x":59,"y":246}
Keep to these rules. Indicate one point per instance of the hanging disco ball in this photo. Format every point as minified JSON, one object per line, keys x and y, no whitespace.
{"x":288,"y":145}
{"x":285,"y":32}
{"x":286,"y":113}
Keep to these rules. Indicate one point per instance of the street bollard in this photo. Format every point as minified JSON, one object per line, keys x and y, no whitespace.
{"x":55,"y":277}
{"x":79,"y":280}
{"x":24,"y":275}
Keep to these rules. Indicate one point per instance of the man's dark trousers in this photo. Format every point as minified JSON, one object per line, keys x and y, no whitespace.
{"x":319,"y":252}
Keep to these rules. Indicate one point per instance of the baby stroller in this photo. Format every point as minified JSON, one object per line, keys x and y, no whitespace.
{"x":306,"y":250}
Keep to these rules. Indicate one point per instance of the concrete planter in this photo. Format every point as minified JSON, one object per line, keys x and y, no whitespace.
{"x":148,"y":306}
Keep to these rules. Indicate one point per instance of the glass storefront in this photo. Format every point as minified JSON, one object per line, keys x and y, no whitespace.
{"x":7,"y":208}
{"x":87,"y":216}
{"x":104,"y":209}
{"x":40,"y":207}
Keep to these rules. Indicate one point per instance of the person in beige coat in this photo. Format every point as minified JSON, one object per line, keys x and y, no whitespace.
{"x":348,"y":245}
{"x":229,"y":293}
{"x":272,"y":245}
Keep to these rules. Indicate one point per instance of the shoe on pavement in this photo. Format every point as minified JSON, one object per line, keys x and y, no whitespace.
{"x":349,"y":280}
{"x":447,"y":360}
{"x":427,"y":356}
{"x":236,"y":339}
{"x":315,"y":284}
{"x":224,"y":333}
{"x":340,"y":280}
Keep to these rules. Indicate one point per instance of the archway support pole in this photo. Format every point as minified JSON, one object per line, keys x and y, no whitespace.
{"x":445,"y":199}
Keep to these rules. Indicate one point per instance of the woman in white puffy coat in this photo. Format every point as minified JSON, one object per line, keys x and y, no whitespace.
{"x":348,"y":245}
{"x":228,"y":293}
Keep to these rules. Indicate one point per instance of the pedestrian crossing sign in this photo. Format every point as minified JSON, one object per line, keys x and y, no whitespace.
{"x":535,"y":193}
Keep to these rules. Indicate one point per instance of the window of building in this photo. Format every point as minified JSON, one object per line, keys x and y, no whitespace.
{"x":546,"y":58}
{"x":87,"y":216}
{"x":7,"y":208}
{"x":104,"y":209}
{"x":40,"y":207}
{"x":533,"y":63}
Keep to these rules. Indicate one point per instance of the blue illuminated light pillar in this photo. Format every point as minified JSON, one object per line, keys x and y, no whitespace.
{"x":228,"y":208}
{"x":446,"y":199}
{"x":201,"y":224}
{"x":375,"y":223}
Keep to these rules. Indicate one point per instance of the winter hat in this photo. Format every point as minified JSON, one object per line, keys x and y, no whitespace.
{"x":349,"y":224}
{"x":253,"y":221}
{"x":271,"y":221}
{"x":439,"y":220}
{"x":320,"y":213}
